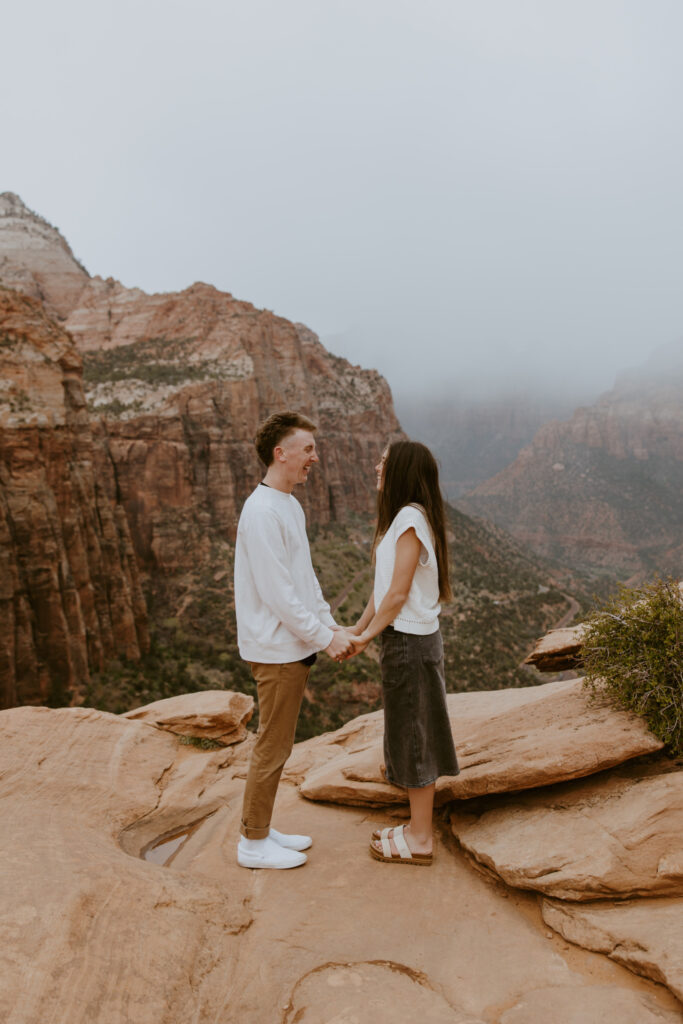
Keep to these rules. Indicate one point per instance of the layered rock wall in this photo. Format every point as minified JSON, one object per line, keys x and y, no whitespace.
{"x":70,"y":593}
{"x":181,"y":383}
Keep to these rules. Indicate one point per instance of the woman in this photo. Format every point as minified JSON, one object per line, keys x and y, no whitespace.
{"x":411,"y":578}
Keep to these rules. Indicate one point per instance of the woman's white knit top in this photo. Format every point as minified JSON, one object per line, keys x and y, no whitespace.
{"x":420,"y":613}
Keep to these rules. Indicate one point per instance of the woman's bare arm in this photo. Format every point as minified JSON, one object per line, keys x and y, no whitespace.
{"x":407,"y":556}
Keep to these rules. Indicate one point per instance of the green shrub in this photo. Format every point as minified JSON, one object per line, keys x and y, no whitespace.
{"x":633,"y":654}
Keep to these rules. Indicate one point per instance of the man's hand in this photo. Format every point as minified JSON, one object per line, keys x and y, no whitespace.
{"x":340,"y":645}
{"x":358,"y":644}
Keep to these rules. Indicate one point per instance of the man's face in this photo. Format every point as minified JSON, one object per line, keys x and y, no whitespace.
{"x":298,"y":454}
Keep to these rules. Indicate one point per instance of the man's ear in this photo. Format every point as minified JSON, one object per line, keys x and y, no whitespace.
{"x":279,"y":454}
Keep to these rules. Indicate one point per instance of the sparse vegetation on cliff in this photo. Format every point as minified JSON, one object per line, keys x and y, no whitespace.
{"x":120,"y":380}
{"x":633,"y":654}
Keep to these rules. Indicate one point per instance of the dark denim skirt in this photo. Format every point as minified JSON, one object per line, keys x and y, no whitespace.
{"x":418,"y":742}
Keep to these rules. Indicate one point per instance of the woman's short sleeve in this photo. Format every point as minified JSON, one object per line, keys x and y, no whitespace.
{"x":411,"y":516}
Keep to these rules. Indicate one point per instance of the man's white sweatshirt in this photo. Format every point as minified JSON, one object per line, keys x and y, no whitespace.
{"x":281,"y":613}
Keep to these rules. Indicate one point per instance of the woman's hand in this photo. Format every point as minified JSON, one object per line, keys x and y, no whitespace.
{"x":358,"y":644}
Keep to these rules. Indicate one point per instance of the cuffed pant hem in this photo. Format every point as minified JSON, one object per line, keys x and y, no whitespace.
{"x":254,"y":833}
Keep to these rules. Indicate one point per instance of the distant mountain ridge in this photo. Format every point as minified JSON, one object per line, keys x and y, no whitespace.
{"x":475,"y":438}
{"x":603,"y":490}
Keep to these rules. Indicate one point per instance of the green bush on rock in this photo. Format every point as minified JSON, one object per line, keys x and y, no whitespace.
{"x":633,"y":654}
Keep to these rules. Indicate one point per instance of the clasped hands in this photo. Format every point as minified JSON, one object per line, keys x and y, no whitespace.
{"x":346,"y":642}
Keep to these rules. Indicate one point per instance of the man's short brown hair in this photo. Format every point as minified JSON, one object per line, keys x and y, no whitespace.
{"x":277,"y":427}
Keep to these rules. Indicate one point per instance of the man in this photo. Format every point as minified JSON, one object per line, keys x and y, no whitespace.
{"x":282,"y":622}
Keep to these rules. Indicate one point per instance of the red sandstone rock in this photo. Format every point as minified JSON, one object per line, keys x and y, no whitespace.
{"x":158,"y":469}
{"x":70,"y":594}
{"x":94,"y":928}
{"x":558,"y":650}
{"x":616,"y":835}
{"x":183,"y":380}
{"x":506,"y":740}
{"x":645,"y":935}
{"x":212,"y":714}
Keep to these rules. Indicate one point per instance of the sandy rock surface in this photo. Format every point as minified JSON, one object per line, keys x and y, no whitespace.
{"x":212,"y":714}
{"x":618,"y":835}
{"x":345,"y":993}
{"x":644,"y":935}
{"x":90,"y":931}
{"x":591,"y":1005}
{"x":506,"y":740}
{"x":94,"y":931}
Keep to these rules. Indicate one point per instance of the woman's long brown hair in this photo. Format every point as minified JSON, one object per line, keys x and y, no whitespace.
{"x":411,"y":475}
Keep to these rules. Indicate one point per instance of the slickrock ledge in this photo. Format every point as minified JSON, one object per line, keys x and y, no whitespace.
{"x":644,"y":935}
{"x":590,"y":1005}
{"x":89,"y":932}
{"x":94,"y":930}
{"x":211,"y":714}
{"x":506,"y":741}
{"x":612,"y":836}
{"x":558,"y":650}
{"x":367,"y":992}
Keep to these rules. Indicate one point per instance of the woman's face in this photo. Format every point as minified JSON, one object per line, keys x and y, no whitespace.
{"x":379,"y":468}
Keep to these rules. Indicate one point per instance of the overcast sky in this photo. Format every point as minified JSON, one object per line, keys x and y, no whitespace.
{"x":463,"y":193}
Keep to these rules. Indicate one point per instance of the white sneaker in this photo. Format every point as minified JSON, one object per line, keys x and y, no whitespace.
{"x":266,"y":853}
{"x":290,"y":842}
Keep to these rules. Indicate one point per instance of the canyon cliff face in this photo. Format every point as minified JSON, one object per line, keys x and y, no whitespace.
{"x":70,"y":594}
{"x":181,"y":382}
{"x":142,"y":476}
{"x":177,"y":385}
{"x":603,"y":490}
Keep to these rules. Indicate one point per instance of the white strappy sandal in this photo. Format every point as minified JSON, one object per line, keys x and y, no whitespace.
{"x":404,"y":855}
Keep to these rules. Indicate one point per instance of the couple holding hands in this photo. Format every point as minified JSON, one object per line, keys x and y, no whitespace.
{"x":283,"y":621}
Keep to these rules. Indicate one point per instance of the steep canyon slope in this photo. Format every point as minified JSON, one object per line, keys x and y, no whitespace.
{"x":603,"y":490}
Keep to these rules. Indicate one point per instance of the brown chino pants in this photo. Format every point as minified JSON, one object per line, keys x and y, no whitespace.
{"x":280,"y":689}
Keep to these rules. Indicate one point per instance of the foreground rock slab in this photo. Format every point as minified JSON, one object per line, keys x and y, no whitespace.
{"x":506,"y":740}
{"x":644,"y":935}
{"x":593,"y":1004}
{"x":93,"y":931}
{"x":617,"y":835}
{"x":220,"y":715}
{"x":371,"y":992}
{"x":90,"y":933}
{"x":558,"y":650}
